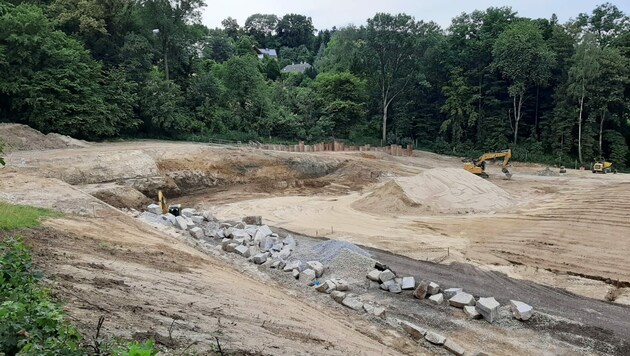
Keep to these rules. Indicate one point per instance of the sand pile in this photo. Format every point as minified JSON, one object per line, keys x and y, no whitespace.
{"x":439,"y":190}
{"x":547,"y":172}
{"x":18,"y":137}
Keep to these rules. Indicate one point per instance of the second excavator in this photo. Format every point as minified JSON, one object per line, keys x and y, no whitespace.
{"x":478,"y":166}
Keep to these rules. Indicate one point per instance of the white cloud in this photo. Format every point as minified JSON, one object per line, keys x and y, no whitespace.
{"x":329,"y":13}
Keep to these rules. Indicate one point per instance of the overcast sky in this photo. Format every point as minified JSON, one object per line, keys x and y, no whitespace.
{"x":329,"y":13}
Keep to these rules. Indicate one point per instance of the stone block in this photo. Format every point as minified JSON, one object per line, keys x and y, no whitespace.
{"x":373,"y":275}
{"x":454,"y":347}
{"x":253,"y":220}
{"x":395,"y":288}
{"x":353,"y":303}
{"x":338,"y":296}
{"x":433,"y":288}
{"x":242,"y":251}
{"x":197,"y":232}
{"x":413,"y":330}
{"x":181,"y":223}
{"x":316,"y":266}
{"x":387,"y":284}
{"x":308,"y":277}
{"x":408,"y":283}
{"x":188,"y":212}
{"x":520,"y":310}
{"x":434,"y":338}
{"x":450,"y":293}
{"x":155,"y":209}
{"x":260,"y":258}
{"x":461,"y":299}
{"x":471,"y":312}
{"x":262,"y":232}
{"x":437,"y":298}
{"x":421,"y":290}
{"x":341,"y":284}
{"x":488,"y":308}
{"x":386,"y":275}
{"x":326,"y":287}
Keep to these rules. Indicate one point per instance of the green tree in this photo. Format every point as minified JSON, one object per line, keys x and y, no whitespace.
{"x":262,"y":27}
{"x":606,"y":23}
{"x":219,"y":46}
{"x":582,"y":76}
{"x":522,"y":56}
{"x":618,"y":148}
{"x":231,"y":27}
{"x":392,"y":42}
{"x":294,"y":30}
{"x":460,"y":105}
{"x":341,"y":97}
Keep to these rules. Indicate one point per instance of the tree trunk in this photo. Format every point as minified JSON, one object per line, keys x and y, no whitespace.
{"x":580,"y":127}
{"x":166,"y":63}
{"x":517,"y":115}
{"x":385,"y":107}
{"x":536,"y":114}
{"x":601,"y":129}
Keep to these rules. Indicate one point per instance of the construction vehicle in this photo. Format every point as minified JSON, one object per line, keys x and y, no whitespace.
{"x":173,"y":209}
{"x":478,"y":166}
{"x":601,"y":166}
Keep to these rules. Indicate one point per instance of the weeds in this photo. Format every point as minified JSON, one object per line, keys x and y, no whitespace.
{"x":20,"y":216}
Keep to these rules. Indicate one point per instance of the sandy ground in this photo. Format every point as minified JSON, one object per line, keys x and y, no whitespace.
{"x":569,"y":231}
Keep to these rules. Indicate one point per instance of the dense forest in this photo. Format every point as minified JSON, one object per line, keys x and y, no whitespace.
{"x":100,"y":69}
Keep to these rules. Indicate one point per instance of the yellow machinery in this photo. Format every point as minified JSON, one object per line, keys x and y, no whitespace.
{"x":601,"y":166}
{"x":478,"y":166}
{"x":162,"y":202}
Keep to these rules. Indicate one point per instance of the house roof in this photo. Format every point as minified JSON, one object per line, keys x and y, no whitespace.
{"x":296,"y":68}
{"x":271,"y":52}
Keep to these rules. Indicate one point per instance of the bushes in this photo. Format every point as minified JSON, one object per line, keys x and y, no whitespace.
{"x":31,"y":323}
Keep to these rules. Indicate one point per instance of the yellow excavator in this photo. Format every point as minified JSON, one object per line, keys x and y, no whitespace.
{"x":478,"y":166}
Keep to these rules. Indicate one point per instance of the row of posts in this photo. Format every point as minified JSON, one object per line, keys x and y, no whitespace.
{"x":336,"y":146}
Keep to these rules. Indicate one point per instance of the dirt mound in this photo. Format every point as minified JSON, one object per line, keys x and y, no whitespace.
{"x":547,"y":172}
{"x":440,"y":190}
{"x":18,"y":137}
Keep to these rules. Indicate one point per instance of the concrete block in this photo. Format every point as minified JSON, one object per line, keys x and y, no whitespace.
{"x":373,"y":275}
{"x":308,"y":277}
{"x":437,"y":298}
{"x":450,"y":293}
{"x":520,"y":310}
{"x":395,"y":288}
{"x":341,"y":284}
{"x":242,"y":251}
{"x":488,"y":308}
{"x":188,"y":212}
{"x":408,"y":283}
{"x":197,"y":232}
{"x":386,"y":275}
{"x":434,"y":338}
{"x":316,"y":266}
{"x":433,"y":288}
{"x":260,"y":258}
{"x":326,"y":287}
{"x":454,"y":347}
{"x":353,"y":303}
{"x":413,"y":330}
{"x":421,"y":290}
{"x":181,"y":223}
{"x":338,"y":296}
{"x":471,"y":312}
{"x":461,"y":299}
{"x":240,"y":234}
{"x":294,"y":264}
{"x":155,"y":209}
{"x":266,"y":243}
{"x":387,"y":284}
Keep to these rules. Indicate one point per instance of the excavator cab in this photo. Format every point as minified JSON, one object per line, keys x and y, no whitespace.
{"x":478,"y":166}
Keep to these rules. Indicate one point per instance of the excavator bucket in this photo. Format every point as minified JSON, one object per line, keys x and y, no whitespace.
{"x":507,"y":173}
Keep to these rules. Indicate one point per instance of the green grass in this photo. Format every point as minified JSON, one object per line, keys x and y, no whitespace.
{"x":21,"y":216}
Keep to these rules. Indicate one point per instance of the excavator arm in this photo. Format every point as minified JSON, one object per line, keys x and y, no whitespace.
{"x":479,"y":166}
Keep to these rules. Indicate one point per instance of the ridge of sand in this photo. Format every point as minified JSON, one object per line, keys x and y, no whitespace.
{"x":438,"y":190}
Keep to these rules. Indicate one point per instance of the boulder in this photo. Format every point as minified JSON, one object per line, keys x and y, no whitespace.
{"x":450,"y":293}
{"x":197,"y":232}
{"x":296,"y":274}
{"x":387,"y":284}
{"x":308,"y":277}
{"x":253,"y":220}
{"x":170,"y":218}
{"x":421,"y":290}
{"x":188,"y":212}
{"x":408,"y":283}
{"x":316,"y":266}
{"x":260,"y":258}
{"x":208,"y":216}
{"x":386,"y":275}
{"x":413,"y":330}
{"x":338,"y":296}
{"x":471,"y":312}
{"x":379,"y":312}
{"x":488,"y":308}
{"x":454,"y":348}
{"x":190,"y":223}
{"x":266,"y":243}
{"x":341,"y":284}
{"x":520,"y":310}
{"x":437,"y":298}
{"x":326,"y":287}
{"x":290,"y":242}
{"x":373,"y":275}
{"x":461,"y":299}
{"x":181,"y":223}
{"x":294,"y":264}
{"x":353,"y":303}
{"x":433,"y":288}
{"x":395,"y":288}
{"x":262,"y":232}
{"x":434,"y":338}
{"x":242,"y":250}
{"x":284,"y":253}
{"x":155,"y":209}
{"x":198,"y":220}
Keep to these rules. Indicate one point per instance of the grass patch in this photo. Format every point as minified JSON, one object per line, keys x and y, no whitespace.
{"x":21,"y":216}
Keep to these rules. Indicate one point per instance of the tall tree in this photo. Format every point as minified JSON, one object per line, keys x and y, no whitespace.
{"x":392,"y":42}
{"x":523,"y":57}
{"x":294,"y":30}
{"x":460,"y":106}
{"x":582,"y":75}
{"x":262,"y":28}
{"x":231,"y":27}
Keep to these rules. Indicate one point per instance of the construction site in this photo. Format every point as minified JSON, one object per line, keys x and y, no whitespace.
{"x":325,"y":250}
